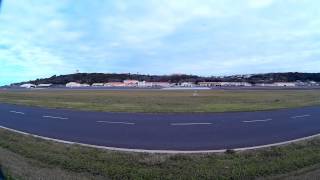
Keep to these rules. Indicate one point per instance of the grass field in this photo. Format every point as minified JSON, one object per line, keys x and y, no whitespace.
{"x":26,"y":157}
{"x":164,"y":101}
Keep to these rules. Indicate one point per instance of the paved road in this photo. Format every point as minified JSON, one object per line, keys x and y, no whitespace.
{"x":184,"y":132}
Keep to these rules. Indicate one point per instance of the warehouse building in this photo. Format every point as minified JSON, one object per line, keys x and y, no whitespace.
{"x":28,"y":86}
{"x":75,"y":85}
{"x":225,"y":84}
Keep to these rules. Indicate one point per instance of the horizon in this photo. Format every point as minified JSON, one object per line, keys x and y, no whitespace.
{"x":208,"y":38}
{"x":154,"y":75}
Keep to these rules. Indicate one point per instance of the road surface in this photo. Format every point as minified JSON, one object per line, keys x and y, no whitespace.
{"x":173,"y":132}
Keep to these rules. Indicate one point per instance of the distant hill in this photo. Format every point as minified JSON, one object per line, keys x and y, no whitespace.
{"x":285,"y":77}
{"x":90,"y":78}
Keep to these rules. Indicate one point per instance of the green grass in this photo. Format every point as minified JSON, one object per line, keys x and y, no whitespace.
{"x":164,"y":101}
{"x":25,"y":157}
{"x":21,"y":155}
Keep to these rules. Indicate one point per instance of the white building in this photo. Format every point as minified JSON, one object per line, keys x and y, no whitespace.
{"x":313,"y":83}
{"x":213,"y":84}
{"x":85,"y":85}
{"x":98,"y":84}
{"x":44,"y":85}
{"x":265,"y":84}
{"x":236,"y":84}
{"x":114,"y":84}
{"x":277,"y":84}
{"x":207,"y":84}
{"x":145,"y":84}
{"x":285,"y":84}
{"x":28,"y":86}
{"x":160,"y":84}
{"x":75,"y":84}
{"x":187,"y":84}
{"x":131,"y":83}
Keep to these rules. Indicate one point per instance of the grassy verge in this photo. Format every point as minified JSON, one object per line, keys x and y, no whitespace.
{"x":55,"y":160}
{"x":308,"y":173}
{"x":164,"y":101}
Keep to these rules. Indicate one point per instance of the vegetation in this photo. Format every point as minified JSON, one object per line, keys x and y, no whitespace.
{"x":91,"y":78}
{"x":30,"y":158}
{"x":163,"y":101}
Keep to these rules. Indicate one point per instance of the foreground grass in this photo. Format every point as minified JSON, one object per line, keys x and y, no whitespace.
{"x":21,"y":155}
{"x":164,"y":101}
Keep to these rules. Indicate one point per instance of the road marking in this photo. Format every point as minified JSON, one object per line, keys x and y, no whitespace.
{"x":253,"y":121}
{"x":302,"y":116}
{"x":53,"y":117}
{"x":112,"y":122}
{"x":17,"y":112}
{"x":189,"y":124}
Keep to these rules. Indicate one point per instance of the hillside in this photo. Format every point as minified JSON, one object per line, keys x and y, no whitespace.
{"x":90,"y":78}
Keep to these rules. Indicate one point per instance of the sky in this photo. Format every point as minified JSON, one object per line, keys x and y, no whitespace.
{"x":208,"y":37}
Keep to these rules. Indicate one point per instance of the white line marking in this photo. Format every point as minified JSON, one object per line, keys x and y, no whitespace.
{"x":52,"y":117}
{"x":16,"y":112}
{"x":253,"y":121}
{"x":189,"y":124}
{"x":111,"y":122}
{"x":302,"y":116}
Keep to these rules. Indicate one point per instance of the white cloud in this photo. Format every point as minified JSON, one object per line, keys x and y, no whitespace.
{"x":161,"y":19}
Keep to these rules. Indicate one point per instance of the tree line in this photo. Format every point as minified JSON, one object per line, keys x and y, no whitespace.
{"x":90,"y":78}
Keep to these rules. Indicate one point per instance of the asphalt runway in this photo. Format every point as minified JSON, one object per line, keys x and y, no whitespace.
{"x":173,"y":132}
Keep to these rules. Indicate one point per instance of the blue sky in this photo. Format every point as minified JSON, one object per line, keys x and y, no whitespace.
{"x":207,"y":37}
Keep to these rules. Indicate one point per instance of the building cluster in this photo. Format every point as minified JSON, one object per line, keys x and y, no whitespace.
{"x":28,"y":86}
{"x":224,"y":84}
{"x":125,"y":83}
{"x":246,"y":84}
{"x":145,"y":84}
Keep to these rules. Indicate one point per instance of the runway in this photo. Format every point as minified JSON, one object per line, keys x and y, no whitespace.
{"x":181,"y":132}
